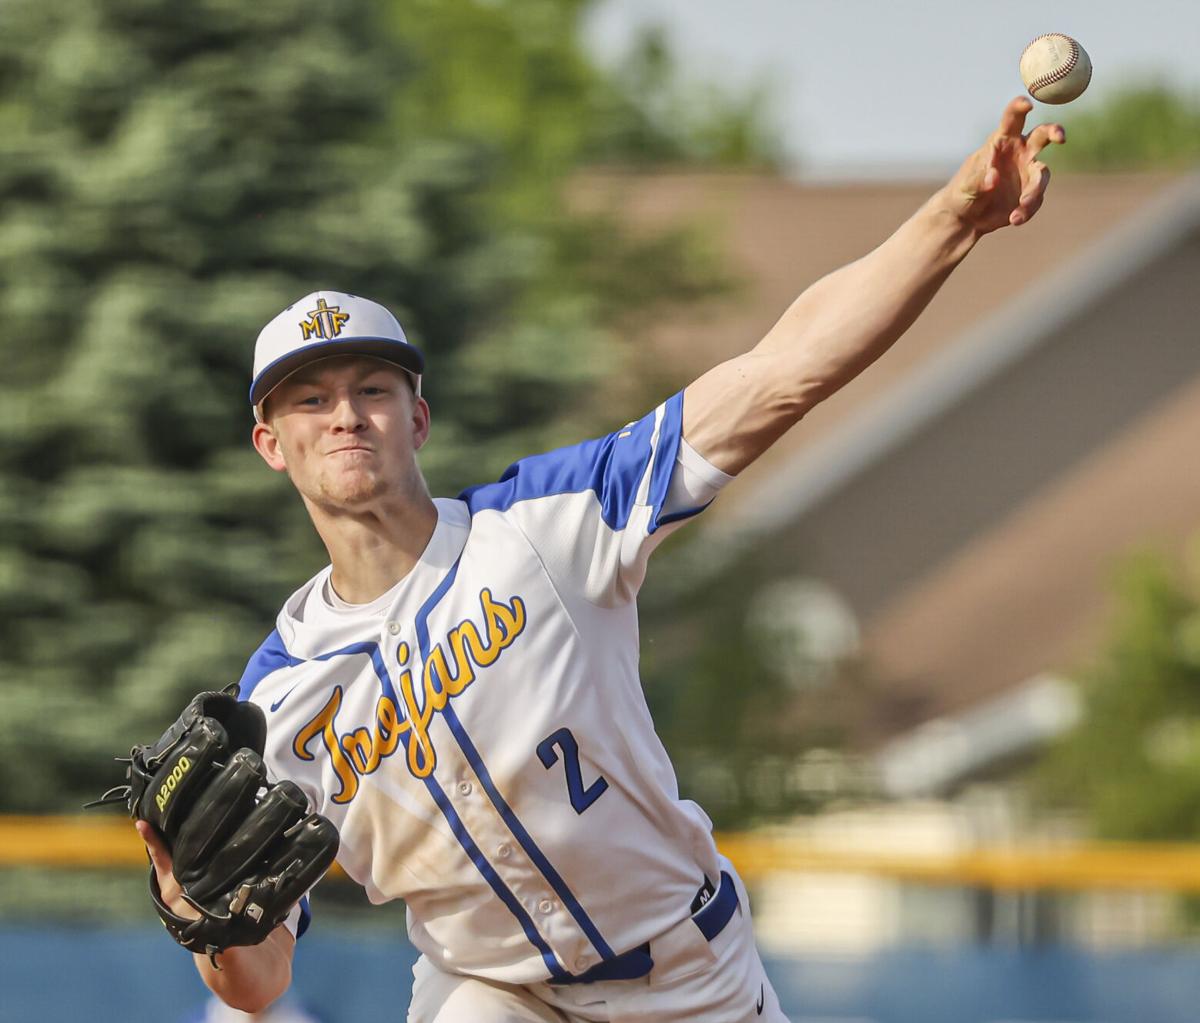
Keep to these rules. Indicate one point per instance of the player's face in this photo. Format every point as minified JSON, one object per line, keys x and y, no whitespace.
{"x":346,"y":431}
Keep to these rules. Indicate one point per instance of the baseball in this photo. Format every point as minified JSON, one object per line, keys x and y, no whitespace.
{"x":1055,"y":68}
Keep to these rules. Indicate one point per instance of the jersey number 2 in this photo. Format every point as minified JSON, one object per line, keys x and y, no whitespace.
{"x":581,"y":798}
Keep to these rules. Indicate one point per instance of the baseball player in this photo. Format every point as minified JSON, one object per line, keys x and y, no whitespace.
{"x":458,"y":690}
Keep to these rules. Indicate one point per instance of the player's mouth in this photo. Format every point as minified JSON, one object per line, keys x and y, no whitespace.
{"x":351,"y":447}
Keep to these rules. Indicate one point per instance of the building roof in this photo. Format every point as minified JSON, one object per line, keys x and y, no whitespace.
{"x":779,"y":236}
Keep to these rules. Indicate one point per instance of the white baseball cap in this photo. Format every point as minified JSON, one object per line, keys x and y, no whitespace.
{"x":325,"y":324}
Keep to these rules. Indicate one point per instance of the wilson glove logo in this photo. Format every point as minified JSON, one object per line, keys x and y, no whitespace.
{"x":448,"y":670}
{"x":168,"y":787}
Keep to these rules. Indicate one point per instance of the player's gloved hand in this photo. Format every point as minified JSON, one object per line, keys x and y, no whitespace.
{"x":237,"y":851}
{"x":164,"y":872}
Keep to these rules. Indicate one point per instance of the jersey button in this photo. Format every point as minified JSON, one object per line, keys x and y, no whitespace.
{"x":545,"y":906}
{"x":581,"y":964}
{"x":504,"y":851}
{"x":394,"y":628}
{"x":464,"y":788}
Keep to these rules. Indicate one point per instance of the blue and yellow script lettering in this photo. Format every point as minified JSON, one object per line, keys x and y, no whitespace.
{"x":448,"y":670}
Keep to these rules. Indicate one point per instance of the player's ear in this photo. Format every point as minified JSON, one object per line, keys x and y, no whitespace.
{"x":420,"y":421}
{"x":266,"y":443}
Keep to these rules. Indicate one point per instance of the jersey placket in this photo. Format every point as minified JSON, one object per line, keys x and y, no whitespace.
{"x":489,"y":842}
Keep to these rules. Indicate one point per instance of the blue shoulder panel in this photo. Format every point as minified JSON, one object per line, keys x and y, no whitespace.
{"x":611,"y":466}
{"x":669,"y":435}
{"x":269,"y":657}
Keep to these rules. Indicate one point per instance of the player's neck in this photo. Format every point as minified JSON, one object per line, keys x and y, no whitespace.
{"x":374,"y":549}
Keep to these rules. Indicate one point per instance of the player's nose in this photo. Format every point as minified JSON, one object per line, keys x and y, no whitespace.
{"x":347,"y":416}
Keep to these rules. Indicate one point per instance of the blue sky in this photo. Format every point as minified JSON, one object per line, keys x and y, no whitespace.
{"x":868,"y":88}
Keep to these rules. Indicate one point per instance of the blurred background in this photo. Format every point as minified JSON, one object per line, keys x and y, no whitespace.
{"x":932,"y":665}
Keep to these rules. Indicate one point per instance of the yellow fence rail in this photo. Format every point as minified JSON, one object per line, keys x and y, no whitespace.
{"x":1073,"y":867}
{"x":91,"y":842}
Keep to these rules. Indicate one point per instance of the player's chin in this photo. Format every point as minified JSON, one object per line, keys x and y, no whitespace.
{"x":352,"y":489}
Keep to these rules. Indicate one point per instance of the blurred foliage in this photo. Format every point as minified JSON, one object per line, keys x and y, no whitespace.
{"x":1147,"y":127}
{"x":750,"y":739}
{"x":687,"y":121}
{"x":1132,"y":766}
{"x":174,"y":174}
{"x":79,"y":897}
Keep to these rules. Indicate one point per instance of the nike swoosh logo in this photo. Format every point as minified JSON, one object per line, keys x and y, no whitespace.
{"x":758,"y":1008}
{"x":279,"y":703}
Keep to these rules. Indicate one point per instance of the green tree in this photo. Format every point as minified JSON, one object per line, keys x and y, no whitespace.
{"x":757,"y":720}
{"x":1132,"y":766}
{"x":172,"y":176}
{"x":1147,"y":127}
{"x":656,"y":116}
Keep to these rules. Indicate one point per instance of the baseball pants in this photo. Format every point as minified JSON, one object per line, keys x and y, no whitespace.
{"x":693,"y":980}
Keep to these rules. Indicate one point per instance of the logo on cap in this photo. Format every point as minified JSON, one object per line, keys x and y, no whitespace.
{"x":325,"y":322}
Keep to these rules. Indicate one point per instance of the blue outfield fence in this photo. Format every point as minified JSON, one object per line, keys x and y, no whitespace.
{"x":138,"y":976}
{"x":992,"y":985}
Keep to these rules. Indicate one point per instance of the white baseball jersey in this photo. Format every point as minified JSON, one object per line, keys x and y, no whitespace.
{"x":479,"y":735}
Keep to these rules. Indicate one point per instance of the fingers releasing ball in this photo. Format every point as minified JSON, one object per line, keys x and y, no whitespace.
{"x":1055,"y":68}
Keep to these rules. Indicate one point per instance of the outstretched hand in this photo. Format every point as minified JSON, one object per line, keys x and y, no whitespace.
{"x":1003,"y":182}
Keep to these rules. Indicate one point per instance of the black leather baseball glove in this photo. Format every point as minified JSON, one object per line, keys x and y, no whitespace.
{"x":244,"y":849}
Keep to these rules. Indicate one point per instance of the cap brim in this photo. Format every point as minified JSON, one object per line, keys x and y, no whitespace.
{"x":389,"y":349}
